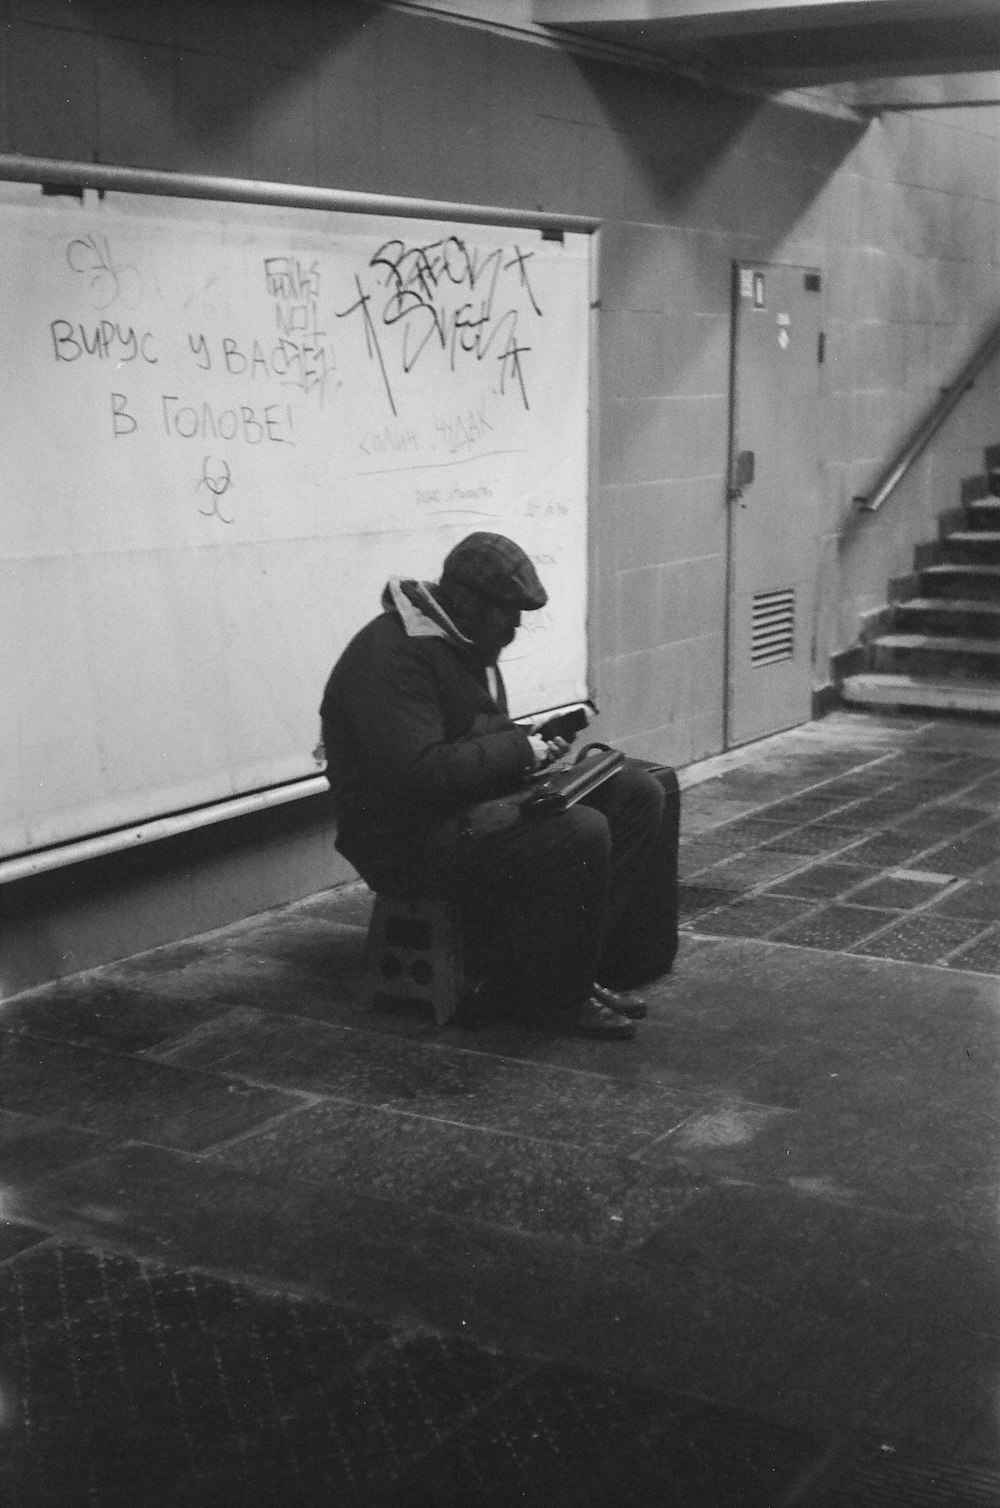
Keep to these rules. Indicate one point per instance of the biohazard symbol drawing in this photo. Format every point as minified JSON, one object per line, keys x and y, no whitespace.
{"x":217,"y":480}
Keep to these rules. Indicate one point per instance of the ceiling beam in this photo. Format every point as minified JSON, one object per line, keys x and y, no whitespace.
{"x":689,"y":19}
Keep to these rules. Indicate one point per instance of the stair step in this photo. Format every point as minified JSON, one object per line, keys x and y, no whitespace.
{"x":962,"y":568}
{"x":957,"y":644}
{"x":960,"y":578}
{"x":962,"y":617}
{"x":941,"y":647}
{"x":969,"y":546}
{"x":950,"y":605}
{"x":872,"y":689}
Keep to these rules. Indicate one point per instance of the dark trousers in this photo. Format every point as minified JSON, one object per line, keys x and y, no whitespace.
{"x":588,"y":894}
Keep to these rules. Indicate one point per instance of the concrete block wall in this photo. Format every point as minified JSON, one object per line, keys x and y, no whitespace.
{"x":900,"y":213}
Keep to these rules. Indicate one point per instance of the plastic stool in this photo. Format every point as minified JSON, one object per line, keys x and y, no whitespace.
{"x":413,"y":955}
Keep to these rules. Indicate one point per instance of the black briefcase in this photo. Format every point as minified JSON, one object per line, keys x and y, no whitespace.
{"x":544,"y":794}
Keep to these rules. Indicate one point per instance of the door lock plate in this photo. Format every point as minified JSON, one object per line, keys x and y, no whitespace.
{"x":744,"y":467}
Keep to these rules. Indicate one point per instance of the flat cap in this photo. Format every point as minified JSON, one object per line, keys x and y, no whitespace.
{"x":494,"y":567}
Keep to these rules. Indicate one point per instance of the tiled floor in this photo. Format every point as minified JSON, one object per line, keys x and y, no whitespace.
{"x":263,"y":1247}
{"x":896,"y":857}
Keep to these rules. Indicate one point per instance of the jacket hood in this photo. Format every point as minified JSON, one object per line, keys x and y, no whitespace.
{"x":421,"y":614}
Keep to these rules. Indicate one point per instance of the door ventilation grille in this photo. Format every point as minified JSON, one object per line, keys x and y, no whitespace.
{"x":772,"y":633}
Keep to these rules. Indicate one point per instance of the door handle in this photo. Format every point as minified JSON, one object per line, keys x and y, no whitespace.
{"x":742,"y":474}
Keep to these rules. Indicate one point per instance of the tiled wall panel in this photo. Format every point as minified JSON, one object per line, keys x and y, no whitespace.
{"x":137,"y":104}
{"x":52,"y":110}
{"x":213,"y":112}
{"x":282,"y":126}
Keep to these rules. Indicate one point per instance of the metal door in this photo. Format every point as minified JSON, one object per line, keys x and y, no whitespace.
{"x":773,"y":498}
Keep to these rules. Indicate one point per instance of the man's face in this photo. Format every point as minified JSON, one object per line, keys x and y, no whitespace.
{"x":499,"y":627}
{"x":490,"y":626}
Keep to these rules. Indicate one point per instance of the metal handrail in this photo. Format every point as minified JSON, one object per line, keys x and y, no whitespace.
{"x":929,"y":426}
{"x":107,"y":177}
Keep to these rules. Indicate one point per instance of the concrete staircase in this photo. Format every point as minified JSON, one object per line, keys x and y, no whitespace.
{"x":936,"y":644}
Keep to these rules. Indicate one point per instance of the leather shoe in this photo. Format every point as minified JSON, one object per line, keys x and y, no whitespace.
{"x":625,"y":1002}
{"x":593,"y":1019}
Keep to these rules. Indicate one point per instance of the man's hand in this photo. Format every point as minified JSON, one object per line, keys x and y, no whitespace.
{"x":544,"y":751}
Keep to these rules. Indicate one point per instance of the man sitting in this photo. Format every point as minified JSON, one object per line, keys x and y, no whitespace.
{"x":568,"y":914}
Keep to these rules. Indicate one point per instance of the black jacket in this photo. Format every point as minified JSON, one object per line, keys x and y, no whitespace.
{"x":412,"y":735}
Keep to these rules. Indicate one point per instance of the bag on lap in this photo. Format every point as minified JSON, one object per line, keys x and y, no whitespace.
{"x":544,"y":796}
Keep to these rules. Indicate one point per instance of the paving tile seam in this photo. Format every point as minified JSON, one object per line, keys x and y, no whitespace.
{"x":888,"y":823}
{"x":157,"y":1054}
{"x":602,"y":1149}
{"x":771,"y":845}
{"x":472,"y":1414}
{"x":72,"y":1232}
{"x":603,"y":1075}
{"x":404,"y":1334}
{"x":308,"y":1102}
{"x":63,"y":1125}
{"x":876,"y":1462}
{"x":46,"y":1236}
{"x":37,"y":993}
{"x":902,"y":1216}
{"x":438,"y":1043}
{"x":73,"y":1235}
{"x":241,"y":1282}
{"x":772,"y":888}
{"x":943,"y":960}
{"x":874,"y":958}
{"x":759,"y":814}
{"x":126,"y":971}
{"x":99,"y":1050}
{"x":903,"y":1464}
{"x":954,"y":958}
{"x":686,"y":1193}
{"x":665,"y":1407}
{"x":858,"y":842}
{"x":239,"y":1015}
{"x":36,"y":1187}
{"x":840,"y":1444}
{"x":811,"y":1475}
{"x":714,"y":1106}
{"x":249,"y":1017}
{"x":554,"y":1071}
{"x":716,"y":765}
{"x":843,"y":897}
{"x":441,"y":1044}
{"x":808,"y":859}
{"x":309,"y":1097}
{"x":758,"y":893}
{"x":444,"y":1041}
{"x":817,"y":785}
{"x":77,"y":1164}
{"x":729,"y":939}
{"x":917,"y":910}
